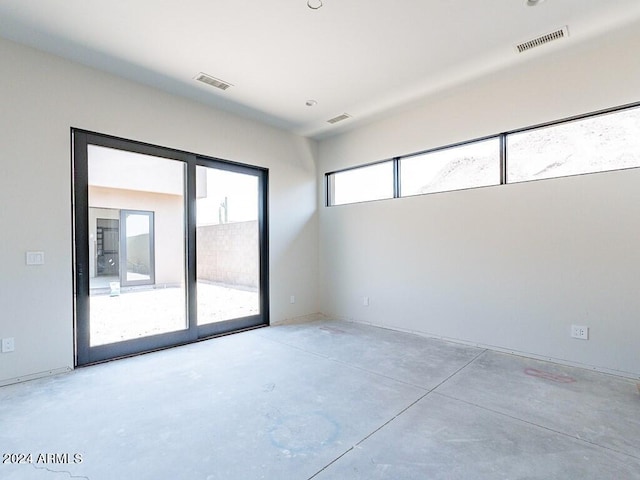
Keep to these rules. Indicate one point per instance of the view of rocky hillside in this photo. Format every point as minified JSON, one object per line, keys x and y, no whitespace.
{"x":605,"y":142}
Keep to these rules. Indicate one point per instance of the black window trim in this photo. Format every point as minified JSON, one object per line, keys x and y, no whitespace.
{"x":397,"y":186}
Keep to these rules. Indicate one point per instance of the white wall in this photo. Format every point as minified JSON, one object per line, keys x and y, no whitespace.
{"x":510,"y":267}
{"x":42,"y":97}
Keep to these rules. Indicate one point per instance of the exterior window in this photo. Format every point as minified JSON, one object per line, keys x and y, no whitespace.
{"x":373,"y":182}
{"x":465,"y":166}
{"x":599,"y":142}
{"x":595,"y":144}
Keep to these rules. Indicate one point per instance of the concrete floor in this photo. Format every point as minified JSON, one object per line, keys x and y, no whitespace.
{"x":324,"y":400}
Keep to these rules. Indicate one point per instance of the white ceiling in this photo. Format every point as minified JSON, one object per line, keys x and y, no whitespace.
{"x":362,"y":57}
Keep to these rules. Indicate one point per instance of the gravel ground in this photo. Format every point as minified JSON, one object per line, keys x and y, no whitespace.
{"x":140,"y":313}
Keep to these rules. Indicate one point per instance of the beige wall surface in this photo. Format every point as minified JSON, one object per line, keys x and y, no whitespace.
{"x":510,"y":267}
{"x":43,"y":97}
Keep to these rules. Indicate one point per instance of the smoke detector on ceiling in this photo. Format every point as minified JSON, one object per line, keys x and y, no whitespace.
{"x":212,"y":81}
{"x":543,"y":39}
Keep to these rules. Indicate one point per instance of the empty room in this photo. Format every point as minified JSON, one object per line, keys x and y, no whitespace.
{"x":320,"y":239}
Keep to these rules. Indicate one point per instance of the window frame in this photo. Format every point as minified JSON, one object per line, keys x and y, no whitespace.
{"x":565,"y":121}
{"x":330,"y":187}
{"x":503,"y":158}
{"x":452,"y":147}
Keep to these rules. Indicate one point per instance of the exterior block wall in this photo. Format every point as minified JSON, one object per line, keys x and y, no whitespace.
{"x":228,"y":253}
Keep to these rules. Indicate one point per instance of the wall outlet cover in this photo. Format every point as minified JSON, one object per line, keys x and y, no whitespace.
{"x":580,"y":331}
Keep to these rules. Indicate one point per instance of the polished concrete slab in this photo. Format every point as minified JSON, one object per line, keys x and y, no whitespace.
{"x":325,"y":400}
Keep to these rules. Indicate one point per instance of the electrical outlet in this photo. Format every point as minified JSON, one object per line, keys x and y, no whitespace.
{"x":292,"y":299}
{"x":580,"y":331}
{"x":8,"y":345}
{"x":365,"y":301}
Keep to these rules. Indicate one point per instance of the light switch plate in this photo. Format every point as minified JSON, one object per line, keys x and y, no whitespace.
{"x":35,"y":258}
{"x":8,"y":345}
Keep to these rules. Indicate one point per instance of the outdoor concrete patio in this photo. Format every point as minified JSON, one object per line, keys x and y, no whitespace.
{"x":141,"y":311}
{"x":325,"y":400}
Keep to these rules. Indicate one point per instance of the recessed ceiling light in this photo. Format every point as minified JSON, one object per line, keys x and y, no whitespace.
{"x":314,"y":4}
{"x":533,"y":3}
{"x":311,"y":103}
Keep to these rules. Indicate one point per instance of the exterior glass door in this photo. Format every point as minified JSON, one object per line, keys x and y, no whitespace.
{"x":137,"y":240}
{"x":127,"y":301}
{"x":169,"y":247}
{"x":228,"y":245}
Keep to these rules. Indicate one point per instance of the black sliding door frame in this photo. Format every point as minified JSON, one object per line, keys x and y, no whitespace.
{"x":87,"y":354}
{"x":226,"y":326}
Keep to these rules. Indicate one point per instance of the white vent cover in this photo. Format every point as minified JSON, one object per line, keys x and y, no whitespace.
{"x":214,"y":82}
{"x":339,"y":118}
{"x":542,"y":39}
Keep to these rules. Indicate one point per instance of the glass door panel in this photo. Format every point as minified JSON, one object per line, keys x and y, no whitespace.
{"x":136,"y":236}
{"x":227,"y":245}
{"x":137,"y":248}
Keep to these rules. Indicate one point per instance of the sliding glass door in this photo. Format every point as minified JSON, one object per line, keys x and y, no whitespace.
{"x":169,"y":247}
{"x":228,"y":246}
{"x":126,"y":192}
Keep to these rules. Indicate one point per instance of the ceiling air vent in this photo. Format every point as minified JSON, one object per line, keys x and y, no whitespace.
{"x":542,"y":39}
{"x":339,"y":118}
{"x":214,"y":82}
